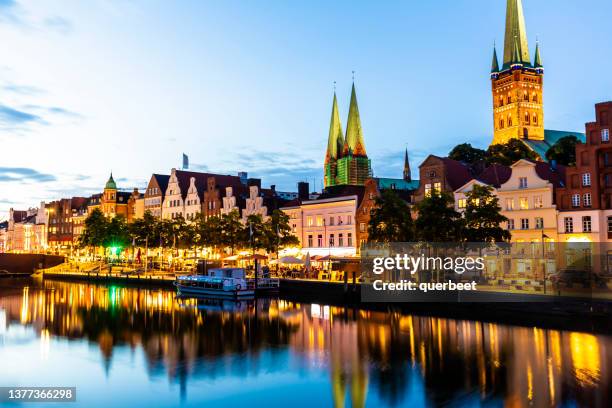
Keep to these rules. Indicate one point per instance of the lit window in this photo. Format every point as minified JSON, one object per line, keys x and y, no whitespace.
{"x":524,"y":203}
{"x":539,"y":221}
{"x":340,"y":240}
{"x":462,"y":202}
{"x":538,"y":202}
{"x":362,"y":227}
{"x":309,"y":222}
{"x":586,"y":224}
{"x":576,"y":200}
{"x":525,"y":223}
{"x":569,"y":224}
{"x":509,"y":204}
{"x":438,"y":187}
{"x":427,"y":190}
{"x":586,"y":179}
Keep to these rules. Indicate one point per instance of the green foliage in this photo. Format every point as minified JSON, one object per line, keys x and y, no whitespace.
{"x":117,"y":233}
{"x":95,"y":230}
{"x":145,"y":230}
{"x":390,"y":220}
{"x":466,"y":153}
{"x":437,"y":220}
{"x":230,"y":231}
{"x":482,"y":217}
{"x":279,"y":232}
{"x":509,"y":153}
{"x":563,"y":151}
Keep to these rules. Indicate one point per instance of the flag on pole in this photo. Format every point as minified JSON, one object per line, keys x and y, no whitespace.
{"x":185,"y":162}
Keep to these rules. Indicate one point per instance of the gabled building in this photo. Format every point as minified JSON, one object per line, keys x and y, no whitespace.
{"x":441,"y":174}
{"x":518,"y":89}
{"x":346,"y":160}
{"x":114,"y":202}
{"x":155,"y":193}
{"x":63,"y":215}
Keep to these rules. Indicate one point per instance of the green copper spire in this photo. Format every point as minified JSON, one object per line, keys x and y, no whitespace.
{"x":335,"y":141}
{"x":354,"y":133}
{"x":495,"y":64}
{"x":110,"y":184}
{"x":516,"y":35}
{"x":537,"y":61}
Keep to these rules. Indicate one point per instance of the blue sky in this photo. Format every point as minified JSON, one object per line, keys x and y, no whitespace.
{"x":87,"y":87}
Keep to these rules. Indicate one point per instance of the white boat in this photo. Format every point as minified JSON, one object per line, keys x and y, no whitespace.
{"x":225,"y":282}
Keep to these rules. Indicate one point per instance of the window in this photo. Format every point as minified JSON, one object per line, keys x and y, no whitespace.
{"x":509,"y":121}
{"x":527,"y":117}
{"x":609,"y":224}
{"x":524,"y":203}
{"x":576,"y":200}
{"x":310,"y":241}
{"x":501,"y":123}
{"x":349,"y":220}
{"x":509,"y":204}
{"x":349,"y":239}
{"x":605,"y":135}
{"x":438,"y":187}
{"x":362,"y":227}
{"x":319,"y":221}
{"x":525,"y":96}
{"x":534,"y":98}
{"x":331,"y":221}
{"x":340,"y":240}
{"x":587,"y":199}
{"x":509,"y":99}
{"x":569,"y":224}
{"x":525,"y":223}
{"x":535,"y":119}
{"x":539,"y":223}
{"x":586,"y":179}
{"x":523,"y":182}
{"x":510,"y":224}
{"x":427,"y":190}
{"x":309,"y":222}
{"x":462,"y":203}
{"x":332,"y":241}
{"x":319,"y":240}
{"x":586,"y":223}
{"x":538,"y":202}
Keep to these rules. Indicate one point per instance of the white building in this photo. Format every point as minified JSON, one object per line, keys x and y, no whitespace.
{"x":254,"y":205}
{"x":325,"y":227}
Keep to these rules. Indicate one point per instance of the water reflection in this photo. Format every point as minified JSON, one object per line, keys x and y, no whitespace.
{"x":368,"y":358}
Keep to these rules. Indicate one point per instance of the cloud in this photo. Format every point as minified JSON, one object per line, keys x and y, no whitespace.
{"x":24,"y":174}
{"x":64,"y":112}
{"x":23,"y":89}
{"x":59,"y":24}
{"x":11,"y":118}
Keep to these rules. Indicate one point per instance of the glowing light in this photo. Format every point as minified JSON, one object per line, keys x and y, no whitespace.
{"x":579,"y":238}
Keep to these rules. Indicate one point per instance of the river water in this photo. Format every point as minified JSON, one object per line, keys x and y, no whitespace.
{"x":135,"y":347}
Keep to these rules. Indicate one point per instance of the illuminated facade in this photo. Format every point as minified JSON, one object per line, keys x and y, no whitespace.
{"x":113,"y":202}
{"x":346,"y":160}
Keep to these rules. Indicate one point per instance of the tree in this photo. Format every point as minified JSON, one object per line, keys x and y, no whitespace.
{"x":390,"y":220}
{"x":231,"y":231}
{"x":437,"y":220}
{"x":117,"y":234}
{"x":508,"y":153}
{"x":279,"y":232}
{"x":466,"y":153}
{"x":482,"y":217}
{"x":563,"y":151}
{"x":95,"y":230}
{"x":256,"y":232}
{"x":144,"y":230}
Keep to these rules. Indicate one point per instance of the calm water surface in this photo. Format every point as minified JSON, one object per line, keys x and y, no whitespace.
{"x":141,"y":347}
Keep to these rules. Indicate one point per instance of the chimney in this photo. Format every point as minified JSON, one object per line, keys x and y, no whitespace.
{"x":273,"y":188}
{"x":303,"y":190}
{"x":254,"y":182}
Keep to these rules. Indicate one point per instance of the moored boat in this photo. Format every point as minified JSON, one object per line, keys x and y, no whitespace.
{"x":225,"y":282}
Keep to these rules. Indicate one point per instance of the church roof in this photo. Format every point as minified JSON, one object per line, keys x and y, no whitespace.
{"x":335,"y":141}
{"x":400,"y":184}
{"x":515,"y":36}
{"x":550,"y":138}
{"x":537,"y":62}
{"x":354,"y":133}
{"x":110,"y":184}
{"x":495,"y":63}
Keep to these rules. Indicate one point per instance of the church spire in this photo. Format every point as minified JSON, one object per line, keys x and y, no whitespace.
{"x":537,"y":61}
{"x":335,"y":141}
{"x":494,"y":64}
{"x":354,"y":134}
{"x":407,"y":175}
{"x":516,"y":36}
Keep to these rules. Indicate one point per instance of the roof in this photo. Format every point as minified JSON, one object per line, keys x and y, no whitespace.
{"x":457,"y":173}
{"x":201,"y":180}
{"x":354,"y":133}
{"x":556,"y":174}
{"x":495,"y":175}
{"x":516,"y":47}
{"x":342,"y":191}
{"x":3,"y":225}
{"x":335,"y":141}
{"x":550,"y":138}
{"x":78,"y":202}
{"x":400,"y":184}
{"x":162,"y":182}
{"x":110,"y":184}
{"x":19,"y":215}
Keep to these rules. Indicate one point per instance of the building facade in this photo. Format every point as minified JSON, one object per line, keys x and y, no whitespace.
{"x":155,"y":193}
{"x":442,"y":175}
{"x":112,"y":202}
